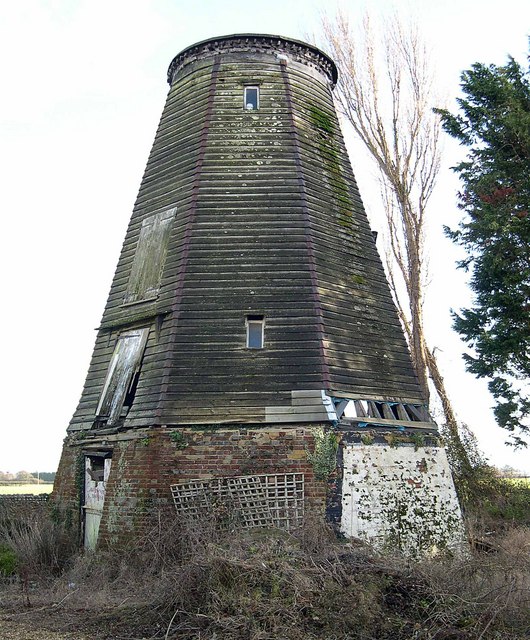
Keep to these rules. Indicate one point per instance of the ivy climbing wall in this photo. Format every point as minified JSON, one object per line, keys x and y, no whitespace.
{"x":400,"y":497}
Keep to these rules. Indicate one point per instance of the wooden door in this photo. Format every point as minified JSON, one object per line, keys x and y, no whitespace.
{"x":97,"y":469}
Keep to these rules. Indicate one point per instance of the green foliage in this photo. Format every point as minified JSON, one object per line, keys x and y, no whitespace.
{"x":488,"y":501}
{"x":324,"y":456}
{"x":8,"y":561}
{"x":511,"y":503}
{"x":179,"y":439}
{"x":418,"y":439}
{"x":494,"y":503}
{"x":494,"y":123}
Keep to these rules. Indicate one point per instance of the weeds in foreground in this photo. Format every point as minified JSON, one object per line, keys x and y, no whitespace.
{"x":41,"y":541}
{"x":490,"y":503}
{"x":189,"y":580}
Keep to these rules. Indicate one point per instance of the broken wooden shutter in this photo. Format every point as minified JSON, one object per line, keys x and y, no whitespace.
{"x":123,"y":365}
{"x":146,"y":270}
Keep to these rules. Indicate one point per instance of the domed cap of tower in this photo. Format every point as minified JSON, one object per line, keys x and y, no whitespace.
{"x":255,"y":43}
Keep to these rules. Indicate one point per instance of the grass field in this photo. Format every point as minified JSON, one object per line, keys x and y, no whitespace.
{"x":524,"y":481}
{"x":25,"y":488}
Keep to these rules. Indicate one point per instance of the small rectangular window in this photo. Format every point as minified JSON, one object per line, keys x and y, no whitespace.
{"x":251,"y":98}
{"x":255,"y":332}
{"x":121,"y":380}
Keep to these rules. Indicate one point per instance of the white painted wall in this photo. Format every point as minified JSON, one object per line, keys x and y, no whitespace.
{"x":400,"y":498}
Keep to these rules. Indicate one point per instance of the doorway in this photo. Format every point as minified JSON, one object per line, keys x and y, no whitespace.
{"x":97,"y":470}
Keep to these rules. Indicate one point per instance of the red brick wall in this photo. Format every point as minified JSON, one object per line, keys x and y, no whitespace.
{"x":68,"y":483}
{"x":146,"y":462}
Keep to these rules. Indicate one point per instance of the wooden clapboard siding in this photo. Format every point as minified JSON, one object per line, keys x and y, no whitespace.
{"x":268,"y":221}
{"x":360,"y":285}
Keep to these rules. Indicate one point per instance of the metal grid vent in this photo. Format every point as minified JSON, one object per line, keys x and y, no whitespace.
{"x":268,"y":500}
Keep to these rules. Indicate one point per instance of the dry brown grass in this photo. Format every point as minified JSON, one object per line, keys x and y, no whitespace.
{"x":191,"y":581}
{"x":42,"y":540}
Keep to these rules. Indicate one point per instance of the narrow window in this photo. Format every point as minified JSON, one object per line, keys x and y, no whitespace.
{"x":148,"y":262}
{"x":122,"y":375}
{"x":255,"y":332}
{"x":251,"y":98}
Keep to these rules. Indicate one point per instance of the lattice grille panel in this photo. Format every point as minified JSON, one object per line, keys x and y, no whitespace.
{"x":268,"y":500}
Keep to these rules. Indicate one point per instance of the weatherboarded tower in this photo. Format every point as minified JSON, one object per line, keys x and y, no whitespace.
{"x":249,"y":308}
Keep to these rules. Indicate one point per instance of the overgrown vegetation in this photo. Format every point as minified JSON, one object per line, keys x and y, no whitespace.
{"x":492,"y":505}
{"x":41,"y":540}
{"x":189,"y":580}
{"x":323,"y":458}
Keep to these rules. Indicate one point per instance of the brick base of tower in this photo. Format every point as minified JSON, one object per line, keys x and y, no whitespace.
{"x":392,"y":490}
{"x":146,"y":462}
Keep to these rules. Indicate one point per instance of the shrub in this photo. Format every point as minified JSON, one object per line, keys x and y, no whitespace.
{"x":490,"y":503}
{"x":8,"y":561}
{"x":42,"y":545}
{"x":188,"y":579}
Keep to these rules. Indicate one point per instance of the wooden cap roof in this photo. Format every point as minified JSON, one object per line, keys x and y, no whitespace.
{"x":255,"y":42}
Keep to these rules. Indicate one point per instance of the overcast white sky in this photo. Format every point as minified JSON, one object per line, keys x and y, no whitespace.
{"x":83,"y":87}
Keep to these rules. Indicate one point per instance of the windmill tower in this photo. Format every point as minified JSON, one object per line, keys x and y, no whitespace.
{"x":249,"y":307}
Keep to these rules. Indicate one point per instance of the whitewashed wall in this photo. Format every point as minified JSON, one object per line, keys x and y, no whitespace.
{"x":400,"y":497}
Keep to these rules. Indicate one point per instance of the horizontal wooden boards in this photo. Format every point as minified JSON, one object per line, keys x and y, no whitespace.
{"x":268,"y":221}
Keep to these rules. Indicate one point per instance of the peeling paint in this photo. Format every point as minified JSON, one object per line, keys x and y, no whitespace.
{"x":399,"y":501}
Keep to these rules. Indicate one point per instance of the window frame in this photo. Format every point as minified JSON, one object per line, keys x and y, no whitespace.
{"x":255,"y":320}
{"x":115,"y":391}
{"x":245,"y":102}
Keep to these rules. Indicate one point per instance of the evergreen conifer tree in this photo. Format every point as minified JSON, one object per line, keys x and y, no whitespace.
{"x":494,"y":123}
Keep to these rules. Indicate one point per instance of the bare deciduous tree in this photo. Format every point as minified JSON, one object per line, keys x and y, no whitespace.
{"x":386,"y":93}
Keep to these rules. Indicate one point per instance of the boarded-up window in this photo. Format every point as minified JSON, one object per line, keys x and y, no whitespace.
{"x":149,"y":258}
{"x":121,"y":380}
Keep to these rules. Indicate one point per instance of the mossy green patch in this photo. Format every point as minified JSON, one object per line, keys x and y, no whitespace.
{"x":321,"y":119}
{"x":358,"y":279}
{"x":323,"y":124}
